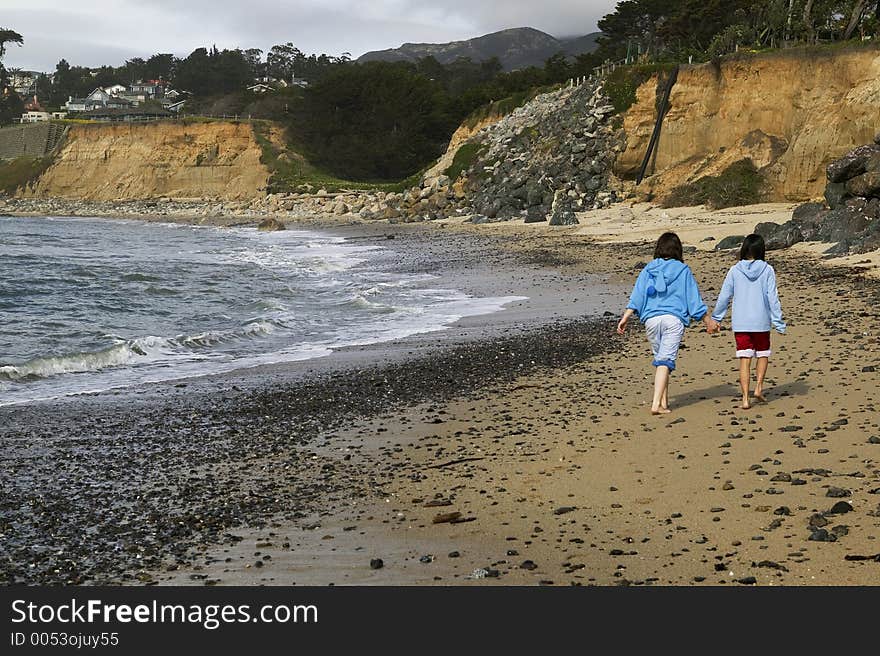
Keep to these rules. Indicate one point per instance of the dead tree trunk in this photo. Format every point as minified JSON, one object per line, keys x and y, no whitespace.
{"x":855,"y":19}
{"x":808,"y":19}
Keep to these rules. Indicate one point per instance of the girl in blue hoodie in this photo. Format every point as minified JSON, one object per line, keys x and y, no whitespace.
{"x":751,"y":283}
{"x":666,"y":298}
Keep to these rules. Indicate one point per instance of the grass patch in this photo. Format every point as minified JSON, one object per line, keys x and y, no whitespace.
{"x":621,"y":84}
{"x":290,"y":172}
{"x":739,"y":184}
{"x":805,"y":50}
{"x":464,"y":158}
{"x":18,"y":172}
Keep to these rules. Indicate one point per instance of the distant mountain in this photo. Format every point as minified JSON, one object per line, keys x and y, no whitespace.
{"x":515,"y":48}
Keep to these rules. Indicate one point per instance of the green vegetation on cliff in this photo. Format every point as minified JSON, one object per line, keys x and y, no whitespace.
{"x":17,"y":173}
{"x":739,"y":184}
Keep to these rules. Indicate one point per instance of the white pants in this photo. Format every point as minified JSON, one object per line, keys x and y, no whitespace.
{"x":664,"y":333}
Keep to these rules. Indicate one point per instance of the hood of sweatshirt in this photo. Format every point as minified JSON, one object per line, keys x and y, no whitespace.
{"x":663,"y":273}
{"x":751,"y":269}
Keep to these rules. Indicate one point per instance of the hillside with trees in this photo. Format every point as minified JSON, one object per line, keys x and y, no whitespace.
{"x":387,"y":120}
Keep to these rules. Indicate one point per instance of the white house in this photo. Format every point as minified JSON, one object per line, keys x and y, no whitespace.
{"x":34,"y":117}
{"x":116,"y":89}
{"x":75,"y":104}
{"x":259,"y":88}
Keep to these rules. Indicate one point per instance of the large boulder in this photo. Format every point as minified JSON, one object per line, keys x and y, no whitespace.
{"x":867,"y":184}
{"x":733,"y":241}
{"x":536,"y":214}
{"x":561,"y":212}
{"x":766,"y":229}
{"x":787,"y":235}
{"x":807,"y":211}
{"x":835,"y":194}
{"x":844,"y":224}
{"x":854,"y":163}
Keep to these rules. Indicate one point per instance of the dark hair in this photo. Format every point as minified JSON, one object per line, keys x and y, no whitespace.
{"x":669,"y":247}
{"x":752,"y":248}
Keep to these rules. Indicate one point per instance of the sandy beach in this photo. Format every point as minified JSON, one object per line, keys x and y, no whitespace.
{"x":513,"y":451}
{"x":561,"y":476}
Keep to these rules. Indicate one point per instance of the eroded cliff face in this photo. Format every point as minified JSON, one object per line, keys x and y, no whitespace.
{"x":459,"y":137}
{"x":792,"y":113}
{"x":139,"y":161}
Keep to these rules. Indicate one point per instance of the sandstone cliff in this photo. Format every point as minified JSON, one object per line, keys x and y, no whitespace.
{"x":791,"y":112}
{"x":137,"y":161}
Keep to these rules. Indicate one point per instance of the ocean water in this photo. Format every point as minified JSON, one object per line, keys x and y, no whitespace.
{"x":96,"y":304}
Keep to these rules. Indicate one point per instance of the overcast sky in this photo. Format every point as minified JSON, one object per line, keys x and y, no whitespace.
{"x":96,"y":32}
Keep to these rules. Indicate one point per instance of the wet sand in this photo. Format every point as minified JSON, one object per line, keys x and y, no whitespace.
{"x":525,"y":458}
{"x":118,"y":486}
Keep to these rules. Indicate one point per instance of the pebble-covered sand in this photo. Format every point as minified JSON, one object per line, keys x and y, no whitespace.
{"x":560,"y":476}
{"x":528,"y":458}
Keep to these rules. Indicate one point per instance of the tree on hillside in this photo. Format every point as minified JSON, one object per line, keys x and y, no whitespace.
{"x":374,"y":121}
{"x":134,"y":70}
{"x":210,"y":72}
{"x":159,"y":67}
{"x":10,"y":103}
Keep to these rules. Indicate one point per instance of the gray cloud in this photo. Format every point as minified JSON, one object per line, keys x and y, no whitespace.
{"x":110,"y":31}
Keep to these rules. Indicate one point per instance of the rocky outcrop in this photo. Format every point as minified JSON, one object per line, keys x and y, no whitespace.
{"x":109,"y":162}
{"x":792,"y":113}
{"x":852,"y":218}
{"x":546,"y":160}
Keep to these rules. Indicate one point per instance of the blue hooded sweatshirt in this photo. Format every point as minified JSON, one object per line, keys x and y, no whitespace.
{"x":667,"y":287}
{"x":752,"y":286}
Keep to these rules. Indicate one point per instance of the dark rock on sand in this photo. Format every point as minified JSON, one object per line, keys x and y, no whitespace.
{"x":866,"y":184}
{"x":836,"y":195}
{"x":837,"y":492}
{"x":821,"y":535}
{"x":818,"y":520}
{"x":840,"y":508}
{"x":733,"y":241}
{"x":854,"y":163}
{"x":377,"y":563}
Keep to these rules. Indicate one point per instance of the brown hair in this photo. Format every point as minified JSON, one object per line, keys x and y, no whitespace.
{"x":669,"y":247}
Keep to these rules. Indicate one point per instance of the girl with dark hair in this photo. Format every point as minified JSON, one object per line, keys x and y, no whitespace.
{"x":665,"y":297}
{"x":751,"y":284}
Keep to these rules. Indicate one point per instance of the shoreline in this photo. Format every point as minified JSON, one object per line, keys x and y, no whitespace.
{"x":189,"y":440}
{"x":562,"y":446}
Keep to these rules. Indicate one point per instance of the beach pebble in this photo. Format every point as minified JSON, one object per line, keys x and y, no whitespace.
{"x":821,"y":535}
{"x":377,"y":563}
{"x":840,"y":508}
{"x":837,"y":492}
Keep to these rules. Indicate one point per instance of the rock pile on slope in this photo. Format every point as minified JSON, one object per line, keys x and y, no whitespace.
{"x":852,"y":217}
{"x":545,"y":160}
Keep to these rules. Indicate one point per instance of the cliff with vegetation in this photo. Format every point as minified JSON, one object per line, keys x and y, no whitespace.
{"x":216,"y":160}
{"x":791,"y":113}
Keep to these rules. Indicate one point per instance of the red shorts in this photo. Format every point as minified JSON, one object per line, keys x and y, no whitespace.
{"x":752,"y":345}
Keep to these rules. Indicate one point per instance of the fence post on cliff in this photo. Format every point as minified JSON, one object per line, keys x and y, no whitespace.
{"x":673,"y":77}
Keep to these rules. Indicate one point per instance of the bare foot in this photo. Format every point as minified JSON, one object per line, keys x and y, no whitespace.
{"x":759,"y":396}
{"x":660,"y":411}
{"x":746,"y":405}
